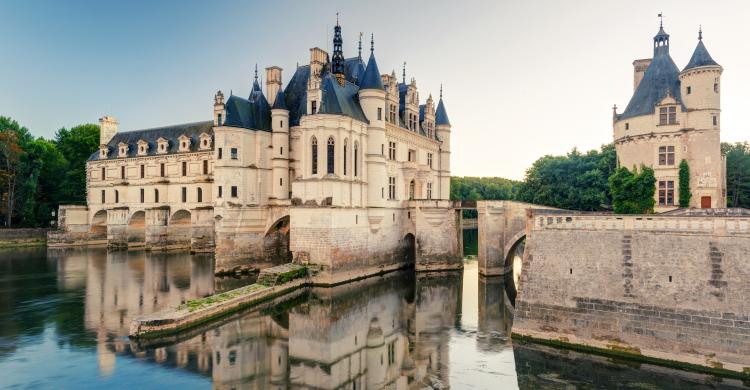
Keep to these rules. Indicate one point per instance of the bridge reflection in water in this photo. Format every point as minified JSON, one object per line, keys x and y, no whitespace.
{"x":398,"y":331}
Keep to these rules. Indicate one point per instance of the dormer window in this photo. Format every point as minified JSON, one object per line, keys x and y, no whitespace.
{"x":668,"y":115}
{"x":184,"y":143}
{"x":162,"y":145}
{"x":103,"y":151}
{"x":123,"y":149}
{"x":205,"y":141}
{"x":142,"y":148}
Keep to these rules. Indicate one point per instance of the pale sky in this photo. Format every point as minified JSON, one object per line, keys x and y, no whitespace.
{"x":521,"y":78}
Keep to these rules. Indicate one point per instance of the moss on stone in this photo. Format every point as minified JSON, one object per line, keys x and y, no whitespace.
{"x":200,"y":303}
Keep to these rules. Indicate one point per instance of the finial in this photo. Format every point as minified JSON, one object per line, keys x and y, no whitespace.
{"x":359,"y":55}
{"x":403,"y":73}
{"x":337,"y":18}
{"x":372,"y":43}
{"x":661,"y":20}
{"x":441,"y":91}
{"x":256,"y":71}
{"x":700,"y":32}
{"x":614,"y":108}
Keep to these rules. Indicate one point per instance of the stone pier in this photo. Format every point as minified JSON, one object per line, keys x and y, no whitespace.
{"x":202,"y":234}
{"x":117,"y":227}
{"x":157,"y":220}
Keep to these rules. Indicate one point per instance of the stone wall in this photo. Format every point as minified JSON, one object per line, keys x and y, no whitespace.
{"x":438,"y":229}
{"x":240,"y":235}
{"x":20,"y":237}
{"x":669,"y":287}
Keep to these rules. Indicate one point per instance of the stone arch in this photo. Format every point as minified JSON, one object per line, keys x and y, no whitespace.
{"x":513,"y":264}
{"x":276,"y":241}
{"x":179,"y":229}
{"x":137,"y":229}
{"x":98,"y":226}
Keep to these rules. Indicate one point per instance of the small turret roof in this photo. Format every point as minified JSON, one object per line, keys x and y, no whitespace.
{"x":371,"y":79}
{"x":280,"y":101}
{"x":700,"y":57}
{"x":441,"y":116}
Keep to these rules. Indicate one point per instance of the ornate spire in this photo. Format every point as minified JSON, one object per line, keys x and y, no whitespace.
{"x":256,"y":71}
{"x":700,"y":32}
{"x":372,"y":43}
{"x":337,"y":65}
{"x":661,"y":39}
{"x":403,"y":73}
{"x":441,"y":91}
{"x":359,"y":53}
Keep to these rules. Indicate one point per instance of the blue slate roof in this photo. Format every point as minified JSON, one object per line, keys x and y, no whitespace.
{"x":170,"y":133}
{"x":354,"y":69}
{"x":340,"y":99}
{"x":371,"y":79}
{"x":700,"y":57}
{"x":279,"y":102}
{"x":296,"y":94}
{"x":249,"y":114}
{"x":659,"y":80}
{"x":441,"y":116}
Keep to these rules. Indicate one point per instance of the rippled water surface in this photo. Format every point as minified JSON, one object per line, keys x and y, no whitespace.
{"x":64,"y":318}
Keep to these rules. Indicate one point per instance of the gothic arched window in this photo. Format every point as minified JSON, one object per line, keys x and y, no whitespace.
{"x":330,"y":155}
{"x":345,"y":150}
{"x":356,"y":159}
{"x":314,"y":144}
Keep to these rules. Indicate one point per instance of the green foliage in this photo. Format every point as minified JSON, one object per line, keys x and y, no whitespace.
{"x":633,"y":192}
{"x":576,"y":181}
{"x":200,"y":303}
{"x":482,"y":188}
{"x":738,"y":173}
{"x":685,"y":193}
{"x":37,"y":175}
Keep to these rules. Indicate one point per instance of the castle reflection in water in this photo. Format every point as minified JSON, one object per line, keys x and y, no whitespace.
{"x":390,"y":331}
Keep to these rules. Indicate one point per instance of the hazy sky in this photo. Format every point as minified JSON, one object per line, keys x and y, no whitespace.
{"x":521,"y":78}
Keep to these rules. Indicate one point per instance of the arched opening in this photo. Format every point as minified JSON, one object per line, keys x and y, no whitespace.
{"x":330,"y":155}
{"x":314,"y":155}
{"x":137,"y":229}
{"x":179,"y":230}
{"x":276,"y":242}
{"x":409,"y":249}
{"x":514,"y":267}
{"x":98,"y":227}
{"x":356,"y":159}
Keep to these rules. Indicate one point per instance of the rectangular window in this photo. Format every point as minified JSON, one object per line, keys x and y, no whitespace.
{"x":143,"y":171}
{"x":314,"y":107}
{"x":666,"y":155}
{"x":156,"y":196}
{"x":391,"y":150}
{"x":162,"y":170}
{"x":219,"y":195}
{"x":143,"y":195}
{"x":184,"y":168}
{"x":689,"y":90}
{"x":412,"y":155}
{"x":391,"y":188}
{"x":234,"y":191}
{"x":220,"y":153}
{"x":233,"y":153}
{"x":716,"y":120}
{"x":122,"y":172}
{"x":429,"y":159}
{"x":199,"y":194}
{"x":380,"y":113}
{"x":716,"y":87}
{"x":668,"y":115}
{"x":117,"y":196}
{"x":104,"y":197}
{"x":205,"y":167}
{"x":429,"y":190}
{"x":627,"y":126}
{"x":184,"y":194}
{"x":666,"y":193}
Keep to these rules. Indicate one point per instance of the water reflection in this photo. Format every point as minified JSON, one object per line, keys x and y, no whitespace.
{"x":69,"y":311}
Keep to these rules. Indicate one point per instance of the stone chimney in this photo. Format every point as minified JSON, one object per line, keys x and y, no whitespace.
{"x":107,"y":129}
{"x":318,"y":59}
{"x":273,"y":83}
{"x":639,"y":68}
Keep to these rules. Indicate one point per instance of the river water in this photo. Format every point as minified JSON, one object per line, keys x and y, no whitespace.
{"x":64,"y":317}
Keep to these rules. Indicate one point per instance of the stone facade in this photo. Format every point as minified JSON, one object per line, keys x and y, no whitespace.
{"x":331,"y":163}
{"x":670,"y":287}
{"x":673,"y":116}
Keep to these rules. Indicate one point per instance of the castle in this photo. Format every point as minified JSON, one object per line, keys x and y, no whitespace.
{"x":673,"y":116}
{"x":344,"y":159}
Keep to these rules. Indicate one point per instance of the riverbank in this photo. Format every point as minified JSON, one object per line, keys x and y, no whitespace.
{"x":15,"y":238}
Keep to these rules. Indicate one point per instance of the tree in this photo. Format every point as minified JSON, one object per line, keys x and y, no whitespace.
{"x":738,"y":173}
{"x":633,"y":192}
{"x":76,"y":146}
{"x":575,"y":181}
{"x":10,"y":157}
{"x":685,"y":194}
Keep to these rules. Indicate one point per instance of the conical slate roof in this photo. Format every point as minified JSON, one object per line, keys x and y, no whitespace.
{"x":441,"y":117}
{"x":700,"y":57}
{"x":280,"y":101}
{"x":371,"y":78}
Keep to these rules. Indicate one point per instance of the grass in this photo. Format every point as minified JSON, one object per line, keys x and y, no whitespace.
{"x":200,"y":303}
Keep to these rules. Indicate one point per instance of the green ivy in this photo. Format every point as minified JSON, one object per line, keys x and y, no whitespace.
{"x":633,"y":192}
{"x":685,"y":194}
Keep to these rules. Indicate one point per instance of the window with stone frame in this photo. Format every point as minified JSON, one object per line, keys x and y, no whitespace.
{"x":184,"y":194}
{"x":429,"y":190}
{"x":356,"y":159}
{"x":314,"y":155}
{"x":184,"y":168}
{"x":233,"y":153}
{"x":666,"y":155}
{"x":345,"y":156}
{"x":156,"y":195}
{"x":668,"y":115}
{"x":104,"y":173}
{"x":205,"y":167}
{"x":429,"y":160}
{"x":143,"y":171}
{"x":234,"y":191}
{"x":391,"y":150}
{"x":330,"y":156}
{"x":391,"y":188}
{"x":666,"y":193}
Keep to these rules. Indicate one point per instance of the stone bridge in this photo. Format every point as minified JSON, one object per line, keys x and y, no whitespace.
{"x":502,"y":226}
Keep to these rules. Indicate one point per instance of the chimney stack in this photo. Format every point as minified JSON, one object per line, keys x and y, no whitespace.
{"x":639,"y":68}
{"x":273,"y":83}
{"x":107,"y":129}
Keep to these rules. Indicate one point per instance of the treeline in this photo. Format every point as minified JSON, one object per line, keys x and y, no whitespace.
{"x":37,"y":175}
{"x":483,"y":188}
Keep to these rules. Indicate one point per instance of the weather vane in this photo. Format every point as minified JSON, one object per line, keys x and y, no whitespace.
{"x":661,"y":19}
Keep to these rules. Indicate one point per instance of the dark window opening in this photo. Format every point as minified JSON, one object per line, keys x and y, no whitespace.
{"x":205,"y":167}
{"x":330,"y":156}
{"x":184,"y":168}
{"x":184,"y":194}
{"x":234,"y":191}
{"x":122,"y":172}
{"x":314,"y":145}
{"x":219,"y":194}
{"x":200,"y":195}
{"x":233,"y":153}
{"x":161,"y":170}
{"x":156,"y":196}
{"x":220,"y":153}
{"x":143,"y":171}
